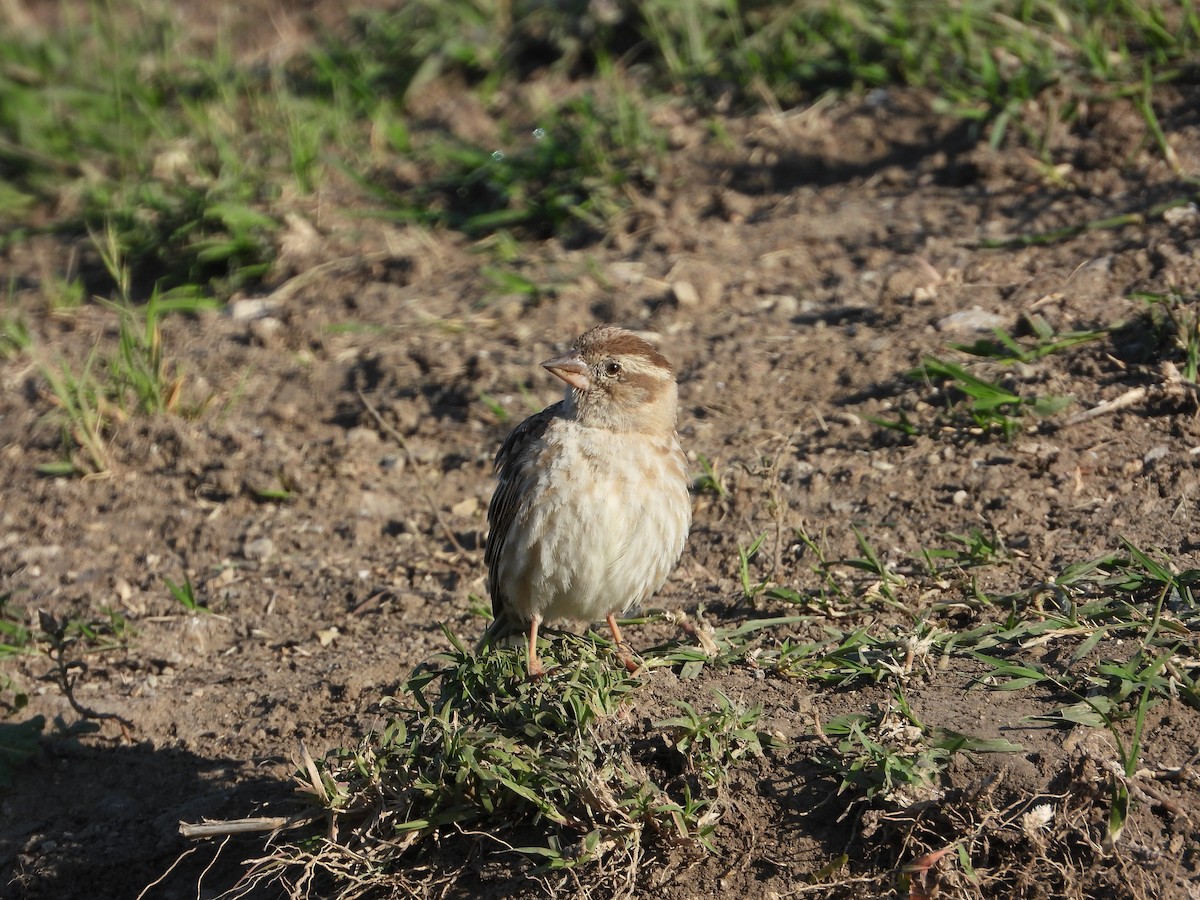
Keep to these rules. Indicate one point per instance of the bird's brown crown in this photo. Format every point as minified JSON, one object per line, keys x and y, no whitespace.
{"x":618,"y":381}
{"x":610,"y":340}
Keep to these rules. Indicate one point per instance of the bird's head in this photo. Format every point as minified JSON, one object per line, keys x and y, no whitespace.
{"x":618,"y":380}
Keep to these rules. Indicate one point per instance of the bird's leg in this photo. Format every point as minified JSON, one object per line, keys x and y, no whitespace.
{"x":536,"y":669}
{"x":622,"y":648}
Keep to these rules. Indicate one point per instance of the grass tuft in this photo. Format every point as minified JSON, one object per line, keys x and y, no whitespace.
{"x":545,"y":767}
{"x":567,"y":175}
{"x":1174,"y":321}
{"x":889,"y":758}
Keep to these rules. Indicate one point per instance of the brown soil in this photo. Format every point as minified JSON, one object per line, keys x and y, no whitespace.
{"x":827,"y":247}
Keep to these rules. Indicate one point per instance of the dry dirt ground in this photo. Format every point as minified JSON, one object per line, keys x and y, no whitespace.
{"x":827,"y":249}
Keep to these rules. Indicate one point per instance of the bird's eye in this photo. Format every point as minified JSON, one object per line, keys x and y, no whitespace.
{"x":612,"y":368}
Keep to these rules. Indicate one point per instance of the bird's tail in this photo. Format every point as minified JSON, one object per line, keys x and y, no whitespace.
{"x":505,"y":630}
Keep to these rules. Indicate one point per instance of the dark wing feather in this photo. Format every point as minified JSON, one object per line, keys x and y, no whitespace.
{"x":512,"y":464}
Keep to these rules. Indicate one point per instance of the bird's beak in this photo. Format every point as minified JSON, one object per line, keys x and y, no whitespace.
{"x":571,"y":369}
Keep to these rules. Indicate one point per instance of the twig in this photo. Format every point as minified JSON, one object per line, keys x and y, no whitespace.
{"x":1148,"y":792}
{"x":826,"y":887}
{"x":421,"y":485}
{"x":819,"y":732}
{"x":1129,"y":398}
{"x":1183,"y":773}
{"x":248,"y":826}
{"x":369,"y":599}
{"x":1172,"y":387}
{"x":314,"y":775}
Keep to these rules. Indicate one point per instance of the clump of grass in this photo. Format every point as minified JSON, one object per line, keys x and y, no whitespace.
{"x":970,"y":550}
{"x":710,"y":479}
{"x":475,"y":746}
{"x":15,"y":637}
{"x":977,"y":407}
{"x":715,"y":741}
{"x":857,"y":656}
{"x":388,"y":53}
{"x":84,"y":417}
{"x":97,"y":145}
{"x":1175,"y":322}
{"x":14,"y":334}
{"x":840,"y":590}
{"x":566,"y":176}
{"x":984,"y":59}
{"x":119,"y":123}
{"x":90,"y":401}
{"x":987,"y":406}
{"x":185,"y":595}
{"x":1125,"y":600}
{"x":888,"y":757}
{"x":1008,"y":350}
{"x":136,"y":378}
{"x":750,"y":587}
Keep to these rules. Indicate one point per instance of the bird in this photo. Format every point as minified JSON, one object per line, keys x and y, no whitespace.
{"x":592,"y":506}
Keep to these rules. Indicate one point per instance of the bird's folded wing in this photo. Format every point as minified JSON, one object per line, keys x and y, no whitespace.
{"x":512,"y":469}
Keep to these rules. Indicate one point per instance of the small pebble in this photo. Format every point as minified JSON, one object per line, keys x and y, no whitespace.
{"x":1154,"y":454}
{"x":973,"y":319}
{"x":685,"y":294}
{"x":465,"y":508}
{"x":248,"y":310}
{"x":259,"y":548}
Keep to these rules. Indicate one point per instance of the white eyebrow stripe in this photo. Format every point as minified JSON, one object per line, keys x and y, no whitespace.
{"x":640,"y":365}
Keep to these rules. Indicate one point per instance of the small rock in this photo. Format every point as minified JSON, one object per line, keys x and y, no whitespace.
{"x":695,"y":282}
{"x":299,"y":245}
{"x":265,"y":330}
{"x":630,"y":273}
{"x":912,"y":279}
{"x":176,"y":163}
{"x":783,"y":305}
{"x":37,"y":553}
{"x":248,"y":310}
{"x":465,"y":508}
{"x":1154,"y":454}
{"x":259,"y":548}
{"x":380,"y":505}
{"x":1181,"y":214}
{"x":734,"y":207}
{"x":508,"y":309}
{"x":973,"y":319}
{"x":685,"y":294}
{"x":362,"y":435}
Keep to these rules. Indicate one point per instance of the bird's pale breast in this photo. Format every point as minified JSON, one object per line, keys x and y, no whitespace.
{"x":599,"y":529}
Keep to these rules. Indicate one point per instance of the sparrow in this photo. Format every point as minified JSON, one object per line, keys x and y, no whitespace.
{"x":591,"y":509}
